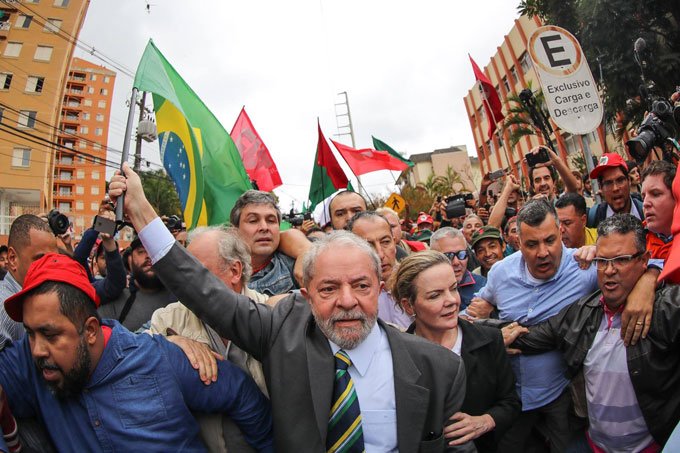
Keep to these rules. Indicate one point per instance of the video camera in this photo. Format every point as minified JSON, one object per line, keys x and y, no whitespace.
{"x":660,"y":127}
{"x":296,"y":219}
{"x":456,"y":204}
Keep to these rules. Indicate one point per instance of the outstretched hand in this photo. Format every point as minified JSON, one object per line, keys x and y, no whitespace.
{"x":136,"y":206}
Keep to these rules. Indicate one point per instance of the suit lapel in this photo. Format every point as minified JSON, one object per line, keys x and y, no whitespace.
{"x":411,"y":398}
{"x":321,"y":369}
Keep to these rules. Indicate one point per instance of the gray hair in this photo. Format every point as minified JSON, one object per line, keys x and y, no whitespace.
{"x":446,"y":232}
{"x":534,"y":212}
{"x":624,"y":224}
{"x":473,"y":216}
{"x":332,"y":241}
{"x":252,"y":197}
{"x":372,"y":216}
{"x":230,"y":247}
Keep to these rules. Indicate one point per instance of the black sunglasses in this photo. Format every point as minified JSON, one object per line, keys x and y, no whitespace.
{"x":461,"y":255}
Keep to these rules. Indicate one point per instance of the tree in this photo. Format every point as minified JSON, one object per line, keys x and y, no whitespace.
{"x":160,"y":191}
{"x":518,"y":121}
{"x":607,"y":30}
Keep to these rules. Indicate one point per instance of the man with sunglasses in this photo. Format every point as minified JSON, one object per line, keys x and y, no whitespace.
{"x":452,"y":243}
{"x":640,"y":414}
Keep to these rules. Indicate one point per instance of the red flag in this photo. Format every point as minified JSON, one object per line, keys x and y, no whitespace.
{"x":491,"y":101}
{"x":367,"y":160}
{"x":327,"y":176}
{"x":254,"y":154}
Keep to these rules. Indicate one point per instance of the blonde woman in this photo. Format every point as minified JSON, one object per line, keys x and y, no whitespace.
{"x":424,"y":286}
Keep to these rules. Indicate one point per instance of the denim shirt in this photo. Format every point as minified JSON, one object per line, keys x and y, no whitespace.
{"x":10,"y":330}
{"x":468,"y":287}
{"x":540,"y":378}
{"x":276,"y":278}
{"x":139,"y":398}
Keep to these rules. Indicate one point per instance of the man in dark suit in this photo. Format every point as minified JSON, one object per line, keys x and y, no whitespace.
{"x":403,"y":389}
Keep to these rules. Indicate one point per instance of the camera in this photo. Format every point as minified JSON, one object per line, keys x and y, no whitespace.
{"x":296,"y":219}
{"x":58,"y":222}
{"x":657,"y":128}
{"x":539,"y":158}
{"x":455,"y":206}
{"x":174,"y":223}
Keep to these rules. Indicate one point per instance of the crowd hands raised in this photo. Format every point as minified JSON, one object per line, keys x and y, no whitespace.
{"x":504,"y":322}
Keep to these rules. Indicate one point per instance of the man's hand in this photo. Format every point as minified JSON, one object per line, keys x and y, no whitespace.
{"x":483,"y":214}
{"x":307,"y":225}
{"x":479,"y":308}
{"x":510,"y":333}
{"x":201,"y":357}
{"x":138,"y":209}
{"x":584,"y":256}
{"x":511,"y":184}
{"x":467,"y":427}
{"x":636,"y":318}
{"x":67,"y":240}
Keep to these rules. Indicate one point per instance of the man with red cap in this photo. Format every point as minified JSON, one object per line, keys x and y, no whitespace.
{"x":612,"y":175}
{"x":98,"y":386}
{"x":425,"y":224}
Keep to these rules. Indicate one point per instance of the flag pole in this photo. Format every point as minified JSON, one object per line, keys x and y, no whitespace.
{"x":485,"y":100}
{"x":126,"y":152}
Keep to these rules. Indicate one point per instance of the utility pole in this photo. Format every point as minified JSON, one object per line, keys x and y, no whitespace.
{"x":346,"y":128}
{"x":138,"y":144}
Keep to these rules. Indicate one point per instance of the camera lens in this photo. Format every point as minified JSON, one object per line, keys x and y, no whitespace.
{"x":58,"y":222}
{"x":640,"y":146}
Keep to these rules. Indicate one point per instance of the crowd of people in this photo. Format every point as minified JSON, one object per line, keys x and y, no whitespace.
{"x":534,"y":322}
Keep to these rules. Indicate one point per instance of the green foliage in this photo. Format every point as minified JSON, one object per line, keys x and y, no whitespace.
{"x":160,"y":191}
{"x":607,"y":29}
{"x":517,"y":120}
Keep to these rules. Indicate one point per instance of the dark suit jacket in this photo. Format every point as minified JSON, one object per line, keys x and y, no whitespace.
{"x":490,"y":381}
{"x":299,"y":367}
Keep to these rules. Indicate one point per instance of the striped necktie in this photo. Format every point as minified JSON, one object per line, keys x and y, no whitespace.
{"x":344,"y":425}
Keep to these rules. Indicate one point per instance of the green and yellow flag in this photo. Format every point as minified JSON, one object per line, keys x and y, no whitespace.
{"x":197,"y":152}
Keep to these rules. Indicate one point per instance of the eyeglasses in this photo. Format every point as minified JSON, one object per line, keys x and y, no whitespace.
{"x":460,"y":254}
{"x":620,"y":181}
{"x":617,"y":262}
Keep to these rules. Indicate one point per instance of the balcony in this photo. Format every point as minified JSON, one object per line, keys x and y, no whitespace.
{"x":74,"y":92}
{"x":77,"y":77}
{"x":4,"y":29}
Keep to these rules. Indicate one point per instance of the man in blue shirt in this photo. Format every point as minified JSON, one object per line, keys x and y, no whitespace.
{"x":99,"y":387}
{"x":529,"y":287}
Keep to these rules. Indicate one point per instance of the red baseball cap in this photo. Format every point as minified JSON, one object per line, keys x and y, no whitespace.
{"x":608,"y":160}
{"x":424,"y":218}
{"x":671,"y":268}
{"x":52,"y":267}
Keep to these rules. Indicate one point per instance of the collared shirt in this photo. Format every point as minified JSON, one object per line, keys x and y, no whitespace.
{"x":540,"y":378}
{"x":138,"y":398}
{"x":373,"y":378}
{"x":616,"y":421}
{"x":10,"y":330}
{"x":633,"y":211}
{"x":276,"y":277}
{"x":468,"y":287}
{"x":390,"y":313}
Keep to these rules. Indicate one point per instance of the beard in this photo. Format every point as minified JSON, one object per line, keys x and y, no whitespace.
{"x":345,"y":337}
{"x":75,"y":380}
{"x":146,"y":280}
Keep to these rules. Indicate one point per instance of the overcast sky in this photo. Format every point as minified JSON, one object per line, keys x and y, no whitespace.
{"x":404,"y":65}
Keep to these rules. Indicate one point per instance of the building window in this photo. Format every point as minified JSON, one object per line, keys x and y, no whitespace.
{"x":513,"y":72}
{"x":61,"y":3}
{"x":97,"y":146}
{"x":87,"y":102}
{"x":94,"y":206}
{"x":52,"y":25}
{"x":80,"y":205}
{"x":107,"y":79}
{"x":80,"y":190}
{"x":90,"y":90}
{"x":506,"y":84}
{"x":95,"y":174}
{"x":94,"y":190}
{"x":81,"y":159}
{"x":12,"y":49}
{"x":103,"y":91}
{"x":34,"y":84}
{"x":86,"y":116}
{"x":100,"y":117}
{"x":84,"y":129}
{"x":43,"y":53}
{"x":80,"y":174}
{"x":65,"y":191}
{"x":65,"y":175}
{"x":64,"y":206}
{"x":21,"y":157}
{"x":98,"y":131}
{"x":32,"y":1}
{"x":27,"y":118}
{"x":492,"y":148}
{"x":5,"y":80}
{"x":525,"y":62}
{"x":101,"y":104}
{"x":93,"y":76}
{"x":82,"y":144}
{"x":23,"y":21}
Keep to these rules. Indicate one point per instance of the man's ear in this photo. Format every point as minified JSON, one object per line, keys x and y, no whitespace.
{"x":305,"y":294}
{"x":236,"y":271}
{"x":91,"y":329}
{"x":12,"y":259}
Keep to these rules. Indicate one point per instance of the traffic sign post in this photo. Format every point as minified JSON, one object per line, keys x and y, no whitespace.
{"x":568,"y":86}
{"x":396,"y":202}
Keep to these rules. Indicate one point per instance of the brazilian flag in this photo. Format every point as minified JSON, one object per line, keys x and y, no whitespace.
{"x":196,"y":150}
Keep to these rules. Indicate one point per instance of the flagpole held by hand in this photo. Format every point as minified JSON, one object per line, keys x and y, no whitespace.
{"x":126,"y":152}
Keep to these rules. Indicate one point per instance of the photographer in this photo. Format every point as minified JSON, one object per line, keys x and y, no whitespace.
{"x":507,"y":203}
{"x":111,"y":286}
{"x":543,"y":174}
